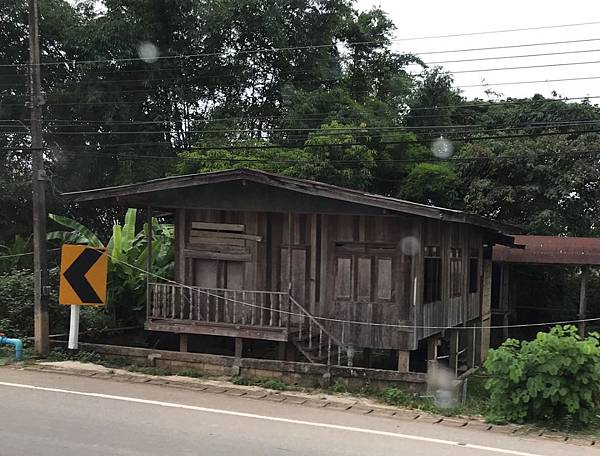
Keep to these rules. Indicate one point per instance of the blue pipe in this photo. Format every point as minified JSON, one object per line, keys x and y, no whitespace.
{"x":17,"y":343}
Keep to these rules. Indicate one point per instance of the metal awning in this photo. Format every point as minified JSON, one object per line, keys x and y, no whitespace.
{"x":550,"y":250}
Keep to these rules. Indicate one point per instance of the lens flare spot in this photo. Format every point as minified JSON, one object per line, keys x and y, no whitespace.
{"x":442,"y":148}
{"x":148,"y":52}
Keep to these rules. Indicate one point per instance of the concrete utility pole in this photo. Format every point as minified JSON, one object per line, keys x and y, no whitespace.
{"x":38,"y":180}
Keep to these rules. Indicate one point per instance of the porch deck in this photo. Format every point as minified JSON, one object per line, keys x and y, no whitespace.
{"x":266,"y":315}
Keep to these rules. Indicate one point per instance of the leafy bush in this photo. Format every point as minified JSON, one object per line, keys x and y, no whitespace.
{"x":339,"y":386}
{"x":16,"y":304}
{"x":553,"y":379}
{"x":128,"y":253}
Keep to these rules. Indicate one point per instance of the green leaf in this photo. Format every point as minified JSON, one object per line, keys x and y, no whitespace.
{"x":85,"y":234}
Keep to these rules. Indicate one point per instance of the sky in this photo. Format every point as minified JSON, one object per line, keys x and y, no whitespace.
{"x":436,"y":17}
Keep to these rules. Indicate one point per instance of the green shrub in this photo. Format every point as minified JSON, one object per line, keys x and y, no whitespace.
{"x":402,"y":398}
{"x":339,"y":386}
{"x":269,"y":383}
{"x":190,"y":372}
{"x":552,"y":379}
{"x":16,"y":304}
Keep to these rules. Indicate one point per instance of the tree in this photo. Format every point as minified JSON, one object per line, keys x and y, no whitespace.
{"x":432,"y":183}
{"x":337,"y":154}
{"x":545,"y":185}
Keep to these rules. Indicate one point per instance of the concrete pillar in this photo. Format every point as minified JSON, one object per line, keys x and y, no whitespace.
{"x":403,"y":361}
{"x":486,"y":310}
{"x":183,"y":343}
{"x":453,"y":336}
{"x":350,"y":354}
{"x":238,"y":347}
{"x":432,"y":346}
{"x":236,"y":368}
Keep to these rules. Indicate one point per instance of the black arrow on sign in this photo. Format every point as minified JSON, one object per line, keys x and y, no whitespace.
{"x":75,"y":275}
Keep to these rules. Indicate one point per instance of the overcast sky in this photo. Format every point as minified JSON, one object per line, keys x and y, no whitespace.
{"x":437,"y":17}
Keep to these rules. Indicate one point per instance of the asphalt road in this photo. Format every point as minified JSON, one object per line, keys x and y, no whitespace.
{"x":59,"y":415}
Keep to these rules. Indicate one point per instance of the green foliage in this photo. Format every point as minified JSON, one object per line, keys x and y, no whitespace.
{"x":431,"y":183}
{"x":402,"y":398}
{"x":545,"y":185}
{"x":319,"y":160}
{"x":269,"y":383}
{"x":16,"y":304}
{"x":128,"y":253}
{"x":15,"y":255}
{"x":190,"y":372}
{"x":552,"y":379}
{"x":339,"y":386}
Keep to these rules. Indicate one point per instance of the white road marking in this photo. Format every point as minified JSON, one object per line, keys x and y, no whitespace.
{"x":271,"y":418}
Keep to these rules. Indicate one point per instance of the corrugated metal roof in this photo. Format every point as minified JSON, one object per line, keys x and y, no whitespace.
{"x":290,"y":183}
{"x":550,"y":250}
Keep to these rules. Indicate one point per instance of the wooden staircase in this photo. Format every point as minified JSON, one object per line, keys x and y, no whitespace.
{"x":313,"y":340}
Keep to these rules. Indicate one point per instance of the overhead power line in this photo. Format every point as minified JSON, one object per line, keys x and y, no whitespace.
{"x":472,"y":128}
{"x":518,"y":56}
{"x":150,"y":100}
{"x":307,"y":116}
{"x":315,"y":46}
{"x":198,"y":78}
{"x":274,"y":146}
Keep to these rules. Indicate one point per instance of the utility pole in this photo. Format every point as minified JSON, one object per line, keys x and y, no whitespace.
{"x":38,"y":181}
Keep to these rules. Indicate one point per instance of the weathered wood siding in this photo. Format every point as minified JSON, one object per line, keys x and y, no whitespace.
{"x":363,"y":269}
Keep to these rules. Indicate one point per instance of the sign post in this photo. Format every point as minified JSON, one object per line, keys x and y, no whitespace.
{"x":83,"y":273}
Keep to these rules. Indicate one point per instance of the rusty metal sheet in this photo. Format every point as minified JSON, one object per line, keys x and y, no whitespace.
{"x":550,"y":250}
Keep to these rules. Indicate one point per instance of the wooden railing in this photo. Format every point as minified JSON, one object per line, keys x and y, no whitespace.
{"x":314,"y":340}
{"x":248,"y":308}
{"x":218,"y":305}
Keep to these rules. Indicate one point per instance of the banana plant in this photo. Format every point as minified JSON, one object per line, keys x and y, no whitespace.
{"x":128,"y":253}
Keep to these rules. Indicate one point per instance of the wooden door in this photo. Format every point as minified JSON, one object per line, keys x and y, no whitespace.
{"x":364,"y":291}
{"x":216,"y":304}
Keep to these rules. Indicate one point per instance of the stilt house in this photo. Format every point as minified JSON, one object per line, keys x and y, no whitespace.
{"x":326,"y":272}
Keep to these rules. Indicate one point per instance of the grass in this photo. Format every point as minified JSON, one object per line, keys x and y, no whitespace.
{"x":269,"y":383}
{"x":190,"y":372}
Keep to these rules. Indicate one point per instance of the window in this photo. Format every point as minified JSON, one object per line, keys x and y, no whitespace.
{"x":474,"y":271}
{"x":432,"y":275}
{"x":456,"y":274}
{"x":364,"y":277}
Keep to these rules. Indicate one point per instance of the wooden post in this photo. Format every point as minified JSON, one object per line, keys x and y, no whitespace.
{"x":289,"y":268}
{"x":453,"y":360}
{"x":183,"y":343}
{"x":486,"y":310}
{"x":148,"y":261}
{"x":585,"y":274}
{"x":38,"y":178}
{"x":238,"y":348}
{"x":403,"y":361}
{"x":432,"y":345}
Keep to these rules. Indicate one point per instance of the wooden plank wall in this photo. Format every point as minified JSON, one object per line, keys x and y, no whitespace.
{"x":317,"y":241}
{"x":452,"y":310}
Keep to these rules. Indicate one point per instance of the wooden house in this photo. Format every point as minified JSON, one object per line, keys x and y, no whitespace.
{"x":327,"y":272}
